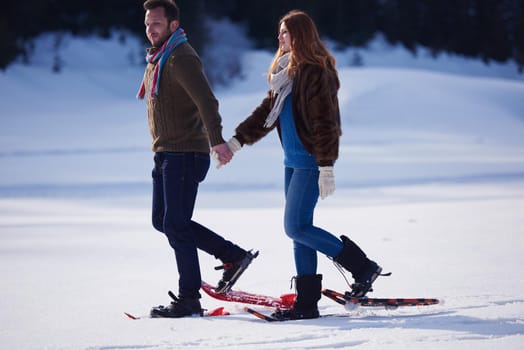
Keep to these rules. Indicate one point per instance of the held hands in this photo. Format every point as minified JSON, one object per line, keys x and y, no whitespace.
{"x":326,"y":181}
{"x":223,"y":153}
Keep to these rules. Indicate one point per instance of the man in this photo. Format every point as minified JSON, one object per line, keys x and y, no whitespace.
{"x":184,"y":121}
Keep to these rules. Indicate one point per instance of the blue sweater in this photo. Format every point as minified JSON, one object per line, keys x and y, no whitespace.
{"x":295,"y":154}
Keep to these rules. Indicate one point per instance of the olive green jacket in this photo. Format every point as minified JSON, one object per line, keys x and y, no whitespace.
{"x":184,"y":116}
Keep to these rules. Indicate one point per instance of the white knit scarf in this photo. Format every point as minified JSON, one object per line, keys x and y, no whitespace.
{"x":281,"y":86}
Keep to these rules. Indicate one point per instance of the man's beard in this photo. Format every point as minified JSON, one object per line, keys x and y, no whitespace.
{"x":162,"y":40}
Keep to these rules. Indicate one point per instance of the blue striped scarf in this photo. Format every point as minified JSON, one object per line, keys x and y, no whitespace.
{"x":162,"y":54}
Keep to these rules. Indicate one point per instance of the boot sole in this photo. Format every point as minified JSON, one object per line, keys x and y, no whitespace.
{"x":372,"y":279}
{"x":243,"y":266}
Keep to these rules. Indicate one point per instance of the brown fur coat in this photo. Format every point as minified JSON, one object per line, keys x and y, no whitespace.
{"x":315,"y":111}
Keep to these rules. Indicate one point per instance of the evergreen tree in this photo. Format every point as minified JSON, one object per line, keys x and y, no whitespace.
{"x":489,"y":29}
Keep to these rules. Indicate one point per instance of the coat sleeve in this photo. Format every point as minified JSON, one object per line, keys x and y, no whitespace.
{"x":252,"y":128}
{"x":190,"y":74}
{"x":323,"y":114}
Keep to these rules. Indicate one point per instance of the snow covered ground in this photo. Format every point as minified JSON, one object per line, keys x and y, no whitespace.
{"x":430,"y":183}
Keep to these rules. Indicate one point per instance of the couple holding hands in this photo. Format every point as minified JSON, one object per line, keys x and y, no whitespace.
{"x":301,"y":104}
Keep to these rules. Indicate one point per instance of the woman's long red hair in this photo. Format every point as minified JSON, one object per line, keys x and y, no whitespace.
{"x":306,"y":45}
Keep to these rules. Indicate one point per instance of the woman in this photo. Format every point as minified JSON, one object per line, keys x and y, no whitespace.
{"x":302,"y":105}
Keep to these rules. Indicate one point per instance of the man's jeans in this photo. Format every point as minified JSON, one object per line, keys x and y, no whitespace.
{"x":301,"y":190}
{"x":176,"y":177}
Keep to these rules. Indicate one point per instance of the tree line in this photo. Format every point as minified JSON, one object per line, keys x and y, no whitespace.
{"x":492,"y":30}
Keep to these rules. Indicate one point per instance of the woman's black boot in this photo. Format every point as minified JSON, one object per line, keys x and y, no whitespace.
{"x":364,"y":271}
{"x":308,"y":294}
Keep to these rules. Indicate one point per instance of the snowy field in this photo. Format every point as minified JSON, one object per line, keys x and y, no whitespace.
{"x":430,"y":183}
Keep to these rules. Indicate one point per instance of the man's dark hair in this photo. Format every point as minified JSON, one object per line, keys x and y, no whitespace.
{"x":170,"y":8}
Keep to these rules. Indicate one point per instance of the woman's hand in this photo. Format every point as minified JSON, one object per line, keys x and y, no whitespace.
{"x":326,"y":181}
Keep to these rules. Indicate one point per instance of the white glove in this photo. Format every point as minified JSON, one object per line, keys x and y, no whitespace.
{"x":326,"y":181}
{"x":234,"y":145}
{"x":216,"y":158}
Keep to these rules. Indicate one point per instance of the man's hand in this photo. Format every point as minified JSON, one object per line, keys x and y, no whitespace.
{"x":222,"y":154}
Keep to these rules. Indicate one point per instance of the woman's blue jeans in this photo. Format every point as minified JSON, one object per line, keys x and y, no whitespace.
{"x":176,"y":177}
{"x":301,"y":190}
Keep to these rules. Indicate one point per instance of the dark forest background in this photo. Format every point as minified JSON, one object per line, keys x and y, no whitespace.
{"x":488,"y":29}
